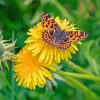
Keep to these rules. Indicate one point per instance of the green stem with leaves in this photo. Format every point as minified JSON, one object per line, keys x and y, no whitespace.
{"x":77,"y":68}
{"x":81,"y":76}
{"x":89,"y":94}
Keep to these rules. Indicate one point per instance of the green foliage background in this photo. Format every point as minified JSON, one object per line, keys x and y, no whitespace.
{"x":19,"y":15}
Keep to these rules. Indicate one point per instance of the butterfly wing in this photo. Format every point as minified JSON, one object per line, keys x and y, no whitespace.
{"x":57,"y":37}
{"x":83,"y":35}
{"x":48,"y":22}
{"x":75,"y":36}
{"x":63,"y":43}
{"x":47,"y":36}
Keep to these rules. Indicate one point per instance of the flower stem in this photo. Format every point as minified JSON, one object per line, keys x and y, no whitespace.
{"x":82,"y":76}
{"x":78,"y":85}
{"x":4,"y":79}
{"x":77,"y":68}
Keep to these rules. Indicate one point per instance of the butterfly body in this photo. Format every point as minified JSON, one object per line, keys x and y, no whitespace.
{"x":54,"y":35}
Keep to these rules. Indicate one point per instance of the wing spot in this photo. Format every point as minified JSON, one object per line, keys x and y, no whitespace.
{"x":71,"y":35}
{"x":46,"y":25}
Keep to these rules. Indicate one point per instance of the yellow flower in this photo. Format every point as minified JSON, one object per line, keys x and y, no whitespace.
{"x":29,"y":72}
{"x":48,"y":53}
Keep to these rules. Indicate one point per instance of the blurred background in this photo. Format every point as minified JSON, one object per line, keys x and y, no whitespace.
{"x":17,"y":16}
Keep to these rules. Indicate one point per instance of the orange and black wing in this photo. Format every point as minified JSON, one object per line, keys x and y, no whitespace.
{"x":48,"y":22}
{"x":47,"y":36}
{"x":63,"y":44}
{"x":76,"y":36}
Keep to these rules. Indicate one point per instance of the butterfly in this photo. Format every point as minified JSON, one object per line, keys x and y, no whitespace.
{"x":54,"y":35}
